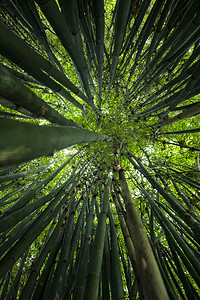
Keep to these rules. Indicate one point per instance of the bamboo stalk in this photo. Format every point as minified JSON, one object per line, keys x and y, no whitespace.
{"x":93,"y":277}
{"x":14,"y":90}
{"x":25,"y":141}
{"x":151,"y":280}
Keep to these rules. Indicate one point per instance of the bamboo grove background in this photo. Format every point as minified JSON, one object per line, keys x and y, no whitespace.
{"x":116,"y":214}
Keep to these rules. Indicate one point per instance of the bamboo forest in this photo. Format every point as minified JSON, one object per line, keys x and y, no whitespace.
{"x":99,"y":149}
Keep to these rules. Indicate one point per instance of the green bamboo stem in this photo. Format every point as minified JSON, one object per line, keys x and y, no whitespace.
{"x":15,"y":49}
{"x":145,"y":32}
{"x":12,"y":218}
{"x":133,"y":31}
{"x":169,"y":86}
{"x":190,"y":268}
{"x":77,"y":232}
{"x":159,"y":26}
{"x":47,"y":81}
{"x":180,"y":131}
{"x":14,"y":90}
{"x":181,"y":274}
{"x":25,"y":141}
{"x":186,"y":217}
{"x":192,"y":81}
{"x":42,"y":283}
{"x":188,"y":113}
{"x":165,"y":275}
{"x":128,"y":241}
{"x":9,"y":195}
{"x":5,"y":171}
{"x":172,"y":275}
{"x":32,"y":232}
{"x":170,"y":41}
{"x":5,"y":285}
{"x":30,"y":284}
{"x":185,"y":21}
{"x":93,"y":277}
{"x":115,"y":260}
{"x":187,"y":254}
{"x":98,"y":7}
{"x":178,"y":221}
{"x":86,"y":30}
{"x":57,"y":287}
{"x":32,"y":17}
{"x":13,"y":7}
{"x":57,"y":21}
{"x":82,"y":268}
{"x":30,"y":194}
{"x":107,"y":266}
{"x":17,"y":233}
{"x":17,"y":175}
{"x":105,"y":283}
{"x":22,"y":76}
{"x":127,"y":270}
{"x":120,"y":27}
{"x":12,"y":294}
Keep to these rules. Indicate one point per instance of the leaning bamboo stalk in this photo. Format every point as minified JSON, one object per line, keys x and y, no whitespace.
{"x":58,"y":23}
{"x":12,"y":294}
{"x":9,"y":195}
{"x":152,"y":282}
{"x":32,"y":17}
{"x":47,"y":81}
{"x":17,"y":233}
{"x":181,"y":274}
{"x":14,"y":176}
{"x":115,"y":260}
{"x":191,"y":268}
{"x":170,"y":266}
{"x":32,"y":233}
{"x":105,"y":283}
{"x":165,"y":276}
{"x":15,"y":49}
{"x":133,"y":31}
{"x":84,"y":256}
{"x":46,"y":274}
{"x":60,"y":280}
{"x":120,"y":28}
{"x":29,"y":287}
{"x":128,"y":241}
{"x":14,"y":90}
{"x":185,"y":21}
{"x":181,"y":131}
{"x":25,"y":141}
{"x":159,"y":26}
{"x":183,"y":214}
{"x":30,"y":194}
{"x":189,"y":258}
{"x":93,"y":277}
{"x":4,"y":284}
{"x":99,"y":19}
{"x":194,"y":110}
{"x":5,"y":171}
{"x":11,"y":219}
{"x":127,"y":270}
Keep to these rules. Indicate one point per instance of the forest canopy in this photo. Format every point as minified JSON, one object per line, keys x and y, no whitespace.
{"x":99,"y":149}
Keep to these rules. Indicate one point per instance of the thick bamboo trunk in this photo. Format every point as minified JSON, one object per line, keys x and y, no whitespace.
{"x":150,"y":277}
{"x":24,"y":141}
{"x":129,"y":243}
